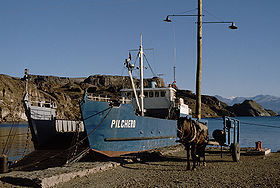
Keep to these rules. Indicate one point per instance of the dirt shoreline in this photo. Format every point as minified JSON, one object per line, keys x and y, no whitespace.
{"x":169,"y":170}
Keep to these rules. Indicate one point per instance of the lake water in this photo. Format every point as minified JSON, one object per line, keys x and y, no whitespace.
{"x":253,"y":129}
{"x":266,"y":129}
{"x":19,"y":145}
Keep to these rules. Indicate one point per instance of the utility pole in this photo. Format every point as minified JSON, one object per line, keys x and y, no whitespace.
{"x":199,"y":60}
{"x":199,"y":53}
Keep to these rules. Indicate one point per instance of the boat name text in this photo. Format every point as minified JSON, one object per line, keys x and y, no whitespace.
{"x":123,"y":123}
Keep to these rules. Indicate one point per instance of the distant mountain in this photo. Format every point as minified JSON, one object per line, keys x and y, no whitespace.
{"x":266,"y":101}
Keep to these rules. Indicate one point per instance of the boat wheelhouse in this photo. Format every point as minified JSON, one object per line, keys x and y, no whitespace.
{"x":159,"y":102}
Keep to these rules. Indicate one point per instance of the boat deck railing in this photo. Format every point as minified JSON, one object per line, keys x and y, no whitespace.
{"x":42,"y":114}
{"x":123,"y":100}
{"x":35,"y":101}
{"x":43,"y":104}
{"x":98,"y":98}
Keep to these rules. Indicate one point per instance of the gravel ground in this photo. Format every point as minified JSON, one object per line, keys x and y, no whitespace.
{"x":169,"y":170}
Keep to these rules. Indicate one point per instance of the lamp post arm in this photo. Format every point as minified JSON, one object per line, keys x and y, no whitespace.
{"x":231,"y":27}
{"x":181,"y":15}
{"x":217,"y":22}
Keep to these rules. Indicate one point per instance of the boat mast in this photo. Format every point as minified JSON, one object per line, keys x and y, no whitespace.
{"x":129,"y":68}
{"x":26,"y":83}
{"x":26,"y":96}
{"x":141,"y":77}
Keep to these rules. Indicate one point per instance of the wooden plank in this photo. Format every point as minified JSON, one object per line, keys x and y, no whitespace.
{"x":213,"y":143}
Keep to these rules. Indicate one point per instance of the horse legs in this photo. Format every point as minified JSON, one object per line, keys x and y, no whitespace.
{"x":194,"y":158}
{"x":203,"y":155}
{"x":187,"y":147}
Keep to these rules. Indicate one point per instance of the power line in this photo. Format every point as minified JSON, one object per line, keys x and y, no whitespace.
{"x":187,"y":11}
{"x":211,"y":14}
{"x":149,"y":66}
{"x":261,"y":125}
{"x":254,"y":124}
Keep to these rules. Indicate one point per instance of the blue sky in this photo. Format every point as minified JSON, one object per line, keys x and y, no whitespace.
{"x":78,"y":38}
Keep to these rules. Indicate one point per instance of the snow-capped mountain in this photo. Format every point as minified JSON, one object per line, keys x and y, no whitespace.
{"x":266,"y":101}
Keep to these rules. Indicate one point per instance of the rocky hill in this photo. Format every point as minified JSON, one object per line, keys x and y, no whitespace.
{"x":67,"y":92}
{"x":11,"y":95}
{"x":250,"y":108}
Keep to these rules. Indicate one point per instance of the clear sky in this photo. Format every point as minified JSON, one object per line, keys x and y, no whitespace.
{"x":78,"y":38}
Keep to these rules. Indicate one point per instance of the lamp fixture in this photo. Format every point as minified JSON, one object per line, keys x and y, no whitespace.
{"x":232,"y":26}
{"x":167,"y":19}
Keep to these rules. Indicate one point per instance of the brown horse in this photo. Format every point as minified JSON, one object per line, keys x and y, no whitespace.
{"x":194,"y":136}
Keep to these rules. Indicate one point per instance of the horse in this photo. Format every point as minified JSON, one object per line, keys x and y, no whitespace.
{"x":194,"y":136}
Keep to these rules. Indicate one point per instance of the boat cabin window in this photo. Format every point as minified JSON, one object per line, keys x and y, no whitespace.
{"x":47,"y":105}
{"x":156,"y":94}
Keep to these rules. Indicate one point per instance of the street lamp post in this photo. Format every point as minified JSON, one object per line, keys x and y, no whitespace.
{"x":199,"y":53}
{"x":199,"y":61}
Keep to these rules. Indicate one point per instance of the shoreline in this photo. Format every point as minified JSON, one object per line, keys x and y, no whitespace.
{"x":15,"y":122}
{"x":26,"y":122}
{"x":165,"y":165}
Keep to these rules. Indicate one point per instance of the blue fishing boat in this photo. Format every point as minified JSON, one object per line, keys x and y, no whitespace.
{"x":142,"y":119}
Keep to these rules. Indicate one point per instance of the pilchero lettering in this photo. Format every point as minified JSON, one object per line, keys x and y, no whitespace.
{"x":123,"y":123}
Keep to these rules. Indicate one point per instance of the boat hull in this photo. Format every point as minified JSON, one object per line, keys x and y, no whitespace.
{"x":45,"y":135}
{"x":114,"y":131}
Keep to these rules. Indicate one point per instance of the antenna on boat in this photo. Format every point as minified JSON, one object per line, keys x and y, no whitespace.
{"x":175,"y":55}
{"x":141,"y":76}
{"x":174,"y":67}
